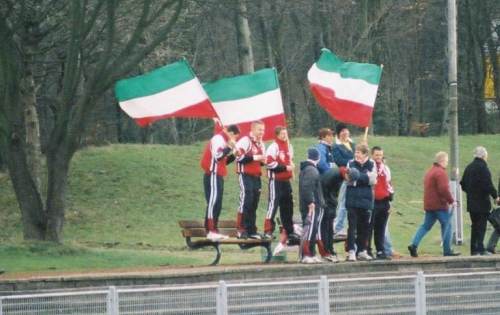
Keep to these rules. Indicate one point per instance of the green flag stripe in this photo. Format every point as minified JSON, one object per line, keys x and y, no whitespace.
{"x":368,"y":72}
{"x":242,"y":86}
{"x":153,"y":82}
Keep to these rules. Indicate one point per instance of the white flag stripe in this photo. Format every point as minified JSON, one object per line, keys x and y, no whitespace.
{"x":354,"y":90}
{"x":251,"y":108}
{"x":169,"y":101}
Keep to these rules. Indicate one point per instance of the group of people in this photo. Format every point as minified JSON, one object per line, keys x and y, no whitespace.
{"x":339,"y":181}
{"x":476,"y":182}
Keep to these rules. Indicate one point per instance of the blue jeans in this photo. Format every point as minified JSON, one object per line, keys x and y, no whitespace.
{"x":341,"y":210}
{"x":443,"y":216}
{"x":387,"y":242}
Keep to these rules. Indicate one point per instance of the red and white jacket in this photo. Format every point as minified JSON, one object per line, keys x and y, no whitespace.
{"x":214,"y":159}
{"x":383,"y":188}
{"x":279,"y":155}
{"x":248,"y":147}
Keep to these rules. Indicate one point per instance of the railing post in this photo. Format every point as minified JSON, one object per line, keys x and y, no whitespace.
{"x":420,"y":298}
{"x":222,"y":298}
{"x":324,"y":296}
{"x":112,"y":303}
{"x":1,"y":303}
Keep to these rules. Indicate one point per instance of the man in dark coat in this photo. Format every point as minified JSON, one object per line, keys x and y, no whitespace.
{"x":311,"y":205}
{"x":476,"y":183}
{"x":492,"y":243}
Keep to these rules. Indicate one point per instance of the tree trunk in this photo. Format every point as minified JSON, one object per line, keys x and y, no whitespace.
{"x":244,"y":39}
{"x":32,"y":125}
{"x":57,"y":166}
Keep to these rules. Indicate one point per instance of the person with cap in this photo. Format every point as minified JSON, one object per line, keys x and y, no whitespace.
{"x":359,"y":202}
{"x":477,"y":184}
{"x":437,"y":201}
{"x":343,"y":152}
{"x":311,"y":205}
{"x":218,"y":153}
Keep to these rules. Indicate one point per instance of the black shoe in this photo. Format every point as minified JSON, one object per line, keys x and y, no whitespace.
{"x":255,"y":236}
{"x":413,"y":250}
{"x":491,"y":251}
{"x":242,"y":235}
{"x":475,"y":254}
{"x":452,"y":254}
{"x":382,"y":256}
{"x":267,"y":236}
{"x":294,"y":236}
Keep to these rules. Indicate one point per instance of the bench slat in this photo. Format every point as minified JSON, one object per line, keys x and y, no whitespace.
{"x":201,"y":232}
{"x":231,"y":241}
{"x":189,"y":224}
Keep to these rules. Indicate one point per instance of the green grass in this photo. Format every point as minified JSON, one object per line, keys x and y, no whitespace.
{"x":124,"y":202}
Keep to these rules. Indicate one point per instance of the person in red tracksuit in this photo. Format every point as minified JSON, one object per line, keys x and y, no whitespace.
{"x":251,"y":156}
{"x":383,"y":192}
{"x":218,"y":153}
{"x":279,"y":156}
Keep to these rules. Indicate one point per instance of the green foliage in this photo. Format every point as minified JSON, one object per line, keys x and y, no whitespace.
{"x":124,"y":202}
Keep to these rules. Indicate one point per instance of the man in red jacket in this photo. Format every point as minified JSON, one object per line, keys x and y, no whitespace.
{"x":437,"y":200}
{"x":218,"y":152}
{"x":251,"y":156}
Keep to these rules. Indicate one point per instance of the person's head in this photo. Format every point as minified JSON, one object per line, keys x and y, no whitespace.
{"x":342,"y":131}
{"x":258,"y":129}
{"x":361,"y":153}
{"x":441,"y":158}
{"x":326,"y":134}
{"x":480,"y":152}
{"x":313,"y":155}
{"x":281,"y":133}
{"x":377,"y":154}
{"x":232,"y":131}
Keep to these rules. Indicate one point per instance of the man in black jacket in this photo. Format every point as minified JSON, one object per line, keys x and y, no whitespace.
{"x":476,"y":183}
{"x":311,"y":205}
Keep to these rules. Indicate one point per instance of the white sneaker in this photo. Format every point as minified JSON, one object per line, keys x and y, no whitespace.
{"x":216,"y":236}
{"x":318,"y":260}
{"x":351,"y":256}
{"x":278,"y":249}
{"x":331,"y":258}
{"x":308,"y":260}
{"x":340,"y":236}
{"x":364,"y":256}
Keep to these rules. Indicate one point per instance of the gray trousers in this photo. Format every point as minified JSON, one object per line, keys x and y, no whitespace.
{"x":492,"y":243}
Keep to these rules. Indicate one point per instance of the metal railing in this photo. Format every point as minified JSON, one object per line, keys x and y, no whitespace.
{"x":458,"y":293}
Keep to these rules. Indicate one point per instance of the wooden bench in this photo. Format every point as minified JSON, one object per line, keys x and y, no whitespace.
{"x":196,"y":237}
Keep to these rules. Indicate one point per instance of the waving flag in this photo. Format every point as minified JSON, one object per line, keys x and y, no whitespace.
{"x":243,"y":99}
{"x":346,"y":90}
{"x":169,"y":91}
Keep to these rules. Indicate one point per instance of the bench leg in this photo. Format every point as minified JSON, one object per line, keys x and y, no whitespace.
{"x":217,"y":256}
{"x":269,"y":252}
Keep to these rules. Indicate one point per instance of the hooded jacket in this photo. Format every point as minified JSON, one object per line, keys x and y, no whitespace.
{"x":309,"y":186}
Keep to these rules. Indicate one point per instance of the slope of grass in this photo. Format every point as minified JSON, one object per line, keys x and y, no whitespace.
{"x":124,"y":202}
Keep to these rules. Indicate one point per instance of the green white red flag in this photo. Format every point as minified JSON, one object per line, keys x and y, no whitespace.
{"x":246,"y":98}
{"x":346,"y":90}
{"x":169,"y":91}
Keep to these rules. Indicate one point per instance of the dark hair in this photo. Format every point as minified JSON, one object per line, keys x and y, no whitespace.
{"x":278,"y":129}
{"x":234,"y":129}
{"x":376,"y":148}
{"x":339,"y":127}
{"x":324,"y":132}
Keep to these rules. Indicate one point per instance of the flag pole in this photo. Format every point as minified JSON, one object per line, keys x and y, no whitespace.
{"x":365,"y":137}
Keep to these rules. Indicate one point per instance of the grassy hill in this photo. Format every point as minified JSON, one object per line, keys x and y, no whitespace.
{"x":124,"y":202}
